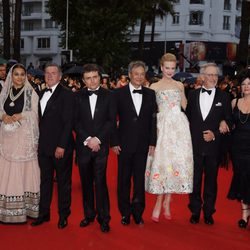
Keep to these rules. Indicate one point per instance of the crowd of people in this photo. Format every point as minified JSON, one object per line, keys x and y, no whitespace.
{"x":164,"y":142}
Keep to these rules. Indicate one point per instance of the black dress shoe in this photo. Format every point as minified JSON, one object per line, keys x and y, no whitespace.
{"x":125,"y":220}
{"x":85,"y":222}
{"x":138,"y":220}
{"x":105,"y":227}
{"x":194,"y":219}
{"x":40,"y":220}
{"x":209,"y":220}
{"x":62,"y":223}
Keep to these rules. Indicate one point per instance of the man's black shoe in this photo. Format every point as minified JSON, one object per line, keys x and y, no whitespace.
{"x":209,"y":220}
{"x":105,"y":227}
{"x":138,"y":220}
{"x":85,"y":222}
{"x":62,"y":223}
{"x":40,"y":220}
{"x":194,"y":219}
{"x":125,"y":220}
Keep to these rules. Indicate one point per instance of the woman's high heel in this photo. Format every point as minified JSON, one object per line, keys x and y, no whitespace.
{"x":242,"y":223}
{"x":167,"y":214}
{"x":156,"y":213}
{"x":155,"y":219}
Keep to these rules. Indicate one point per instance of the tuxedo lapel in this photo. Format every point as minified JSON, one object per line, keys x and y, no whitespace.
{"x":39,"y":104}
{"x":86,"y":104}
{"x":99,"y":102}
{"x":128,"y":93}
{"x":144,"y":101}
{"x":213,"y":104}
{"x":198,"y":104}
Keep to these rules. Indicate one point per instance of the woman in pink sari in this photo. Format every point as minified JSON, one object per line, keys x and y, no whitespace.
{"x":19,"y":170}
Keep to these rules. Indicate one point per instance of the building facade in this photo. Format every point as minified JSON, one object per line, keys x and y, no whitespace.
{"x":200,"y":30}
{"x":40,"y":36}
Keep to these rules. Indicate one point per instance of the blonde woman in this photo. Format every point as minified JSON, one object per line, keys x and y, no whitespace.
{"x":171,"y":168}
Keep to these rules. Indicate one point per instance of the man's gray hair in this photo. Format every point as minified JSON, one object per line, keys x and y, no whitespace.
{"x":50,"y":64}
{"x":206,"y":65}
{"x":136,"y":64}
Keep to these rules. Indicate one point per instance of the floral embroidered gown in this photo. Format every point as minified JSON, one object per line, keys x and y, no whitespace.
{"x":171,"y":168}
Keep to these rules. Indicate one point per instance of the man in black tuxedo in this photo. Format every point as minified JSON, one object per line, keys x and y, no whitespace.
{"x":207,"y":108}
{"x":55,"y":148}
{"x":2,"y":75}
{"x":93,"y":123}
{"x":133,"y":139}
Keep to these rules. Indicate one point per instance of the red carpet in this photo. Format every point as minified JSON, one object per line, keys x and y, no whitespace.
{"x":175,"y":234}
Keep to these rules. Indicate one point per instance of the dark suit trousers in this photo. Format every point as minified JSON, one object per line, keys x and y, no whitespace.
{"x":208,"y":165}
{"x":63,"y":169}
{"x":92,"y":170}
{"x":131,"y":165}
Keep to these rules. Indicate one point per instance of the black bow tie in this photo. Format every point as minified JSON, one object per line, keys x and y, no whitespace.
{"x":138,"y":91}
{"x":48,"y":89}
{"x":91,"y":92}
{"x":206,"y":90}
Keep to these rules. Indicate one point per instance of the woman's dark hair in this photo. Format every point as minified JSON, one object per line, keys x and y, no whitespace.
{"x":18,"y":66}
{"x":244,"y":74}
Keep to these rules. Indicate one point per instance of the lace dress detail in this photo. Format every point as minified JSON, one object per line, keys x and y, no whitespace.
{"x":19,"y":170}
{"x":171,"y":168}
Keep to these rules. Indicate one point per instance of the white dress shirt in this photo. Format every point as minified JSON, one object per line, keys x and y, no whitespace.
{"x":46,"y":97}
{"x":92,"y":102}
{"x":137,"y":98}
{"x":206,"y":102}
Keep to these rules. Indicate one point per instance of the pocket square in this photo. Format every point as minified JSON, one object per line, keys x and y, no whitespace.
{"x":218,"y":104}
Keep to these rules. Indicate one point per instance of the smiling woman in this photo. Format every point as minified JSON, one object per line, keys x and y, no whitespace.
{"x":19,"y":171}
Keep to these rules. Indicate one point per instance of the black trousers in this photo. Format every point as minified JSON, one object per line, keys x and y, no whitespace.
{"x":207,"y":165}
{"x":92,"y":169}
{"x":63,"y":168}
{"x":131,"y":165}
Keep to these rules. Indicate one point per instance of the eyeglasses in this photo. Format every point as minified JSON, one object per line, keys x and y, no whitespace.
{"x":211,"y":75}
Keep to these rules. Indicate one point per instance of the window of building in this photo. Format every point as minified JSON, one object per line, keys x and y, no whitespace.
{"x":176,"y":1}
{"x":176,"y":18}
{"x":43,"y":43}
{"x":196,"y":18}
{"x":227,"y":5}
{"x":238,"y":4}
{"x":22,"y":43}
{"x":48,"y":24}
{"x":226,"y":22}
{"x":28,"y":25}
{"x":27,"y":9}
{"x":238,"y":20}
{"x":196,"y":1}
{"x":46,"y":6}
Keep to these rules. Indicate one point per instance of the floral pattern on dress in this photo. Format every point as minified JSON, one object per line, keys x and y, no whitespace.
{"x":171,"y":168}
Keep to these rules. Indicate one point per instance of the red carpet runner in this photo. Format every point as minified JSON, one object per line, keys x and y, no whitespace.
{"x":175,"y":234}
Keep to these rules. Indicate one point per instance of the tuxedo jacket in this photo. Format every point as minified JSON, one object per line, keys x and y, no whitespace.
{"x":220,"y":110}
{"x":134,"y":133}
{"x":99,"y":126}
{"x":56,"y":123}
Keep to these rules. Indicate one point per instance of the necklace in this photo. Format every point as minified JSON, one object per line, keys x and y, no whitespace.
{"x":13,"y":98}
{"x":241,"y":121}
